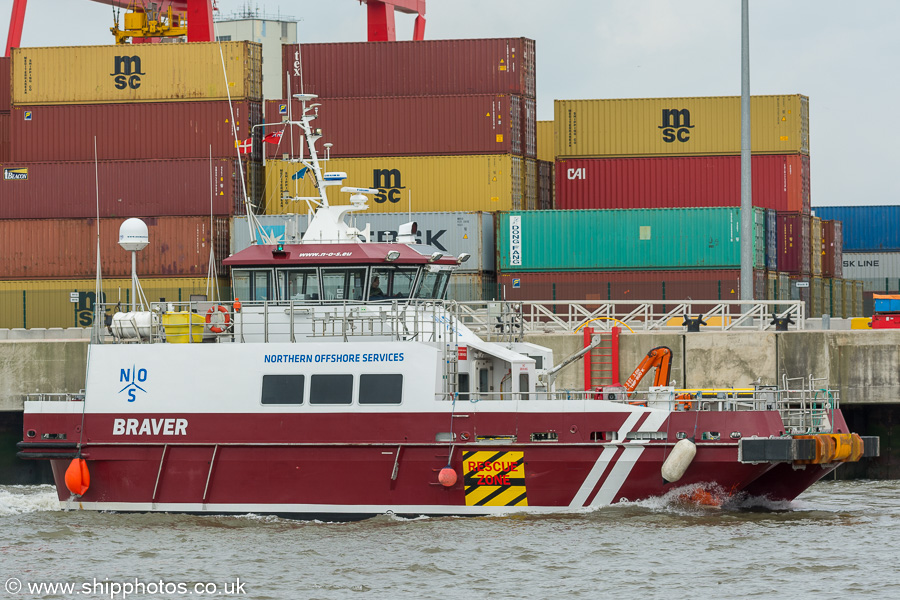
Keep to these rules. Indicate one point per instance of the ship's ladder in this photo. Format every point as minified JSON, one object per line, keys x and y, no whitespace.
{"x":601,"y":364}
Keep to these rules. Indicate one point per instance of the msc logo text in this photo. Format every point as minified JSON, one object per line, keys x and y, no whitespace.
{"x":127,"y":72}
{"x":387,"y":181}
{"x":676,"y":125}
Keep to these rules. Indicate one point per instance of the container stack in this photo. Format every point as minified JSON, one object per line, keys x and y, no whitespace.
{"x":546,"y":156}
{"x":148,"y":133}
{"x":5,"y":82}
{"x":445,"y":125}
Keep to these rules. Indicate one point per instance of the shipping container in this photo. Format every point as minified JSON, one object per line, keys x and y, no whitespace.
{"x":67,"y":248}
{"x":49,"y":303}
{"x":816,"y":297}
{"x":149,"y":188}
{"x":137,"y":131}
{"x":832,"y":249}
{"x":411,"y":68}
{"x":5,"y":84}
{"x":423,"y":183}
{"x":453,"y":233}
{"x":136,"y":73}
{"x":866,"y":228}
{"x":780,"y":182}
{"x":801,"y":289}
{"x":815,"y":246}
{"x":601,"y":286}
{"x":784,"y":286}
{"x":4,"y":138}
{"x":793,"y":243}
{"x":408,"y":126}
{"x":880,"y":271}
{"x":545,"y":141}
{"x":529,"y":127}
{"x":545,"y":185}
{"x":472,"y":287}
{"x":679,"y":126}
{"x":771,"y":240}
{"x":530,"y":187}
{"x":617,"y":240}
{"x":857,"y":298}
{"x":837,"y":296}
{"x":850,"y":298}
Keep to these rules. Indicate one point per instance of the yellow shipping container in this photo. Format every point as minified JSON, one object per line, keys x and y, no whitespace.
{"x":679,"y":126}
{"x":467,"y":183}
{"x":545,"y":143}
{"x":70,"y":302}
{"x":136,"y":73}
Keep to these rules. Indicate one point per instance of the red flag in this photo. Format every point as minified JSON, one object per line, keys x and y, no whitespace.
{"x":274,"y":137}
{"x":245,"y":147}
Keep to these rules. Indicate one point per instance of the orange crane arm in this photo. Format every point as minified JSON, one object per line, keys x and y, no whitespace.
{"x":659,"y":358}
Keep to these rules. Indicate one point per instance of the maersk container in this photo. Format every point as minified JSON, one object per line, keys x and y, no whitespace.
{"x":67,"y":248}
{"x":470,"y":183}
{"x":411,"y":68}
{"x":150,"y":188}
{"x":617,"y":240}
{"x":137,"y":73}
{"x":779,"y":181}
{"x":679,"y":126}
{"x":5,"y":84}
{"x":409,"y":126}
{"x":134,"y":131}
{"x":545,"y":141}
{"x":793,"y":243}
{"x":880,"y":270}
{"x":453,"y":233}
{"x":866,"y":228}
{"x":832,"y":249}
{"x":815,"y":246}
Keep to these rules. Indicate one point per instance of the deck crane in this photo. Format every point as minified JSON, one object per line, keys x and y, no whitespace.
{"x":381,"y":18}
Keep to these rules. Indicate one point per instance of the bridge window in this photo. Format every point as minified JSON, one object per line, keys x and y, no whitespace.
{"x":331,"y":389}
{"x":433,"y":285}
{"x":253,"y":285}
{"x":282,"y":389}
{"x":343,"y":284}
{"x":380,"y":389}
{"x":300,"y":285}
{"x":390,"y":283}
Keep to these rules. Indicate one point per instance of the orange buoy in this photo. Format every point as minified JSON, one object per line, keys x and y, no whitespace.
{"x":447,"y":476}
{"x":237,"y":305}
{"x":78,"y":478}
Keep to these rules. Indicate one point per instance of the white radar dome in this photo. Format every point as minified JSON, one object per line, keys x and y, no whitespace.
{"x":133,"y":235}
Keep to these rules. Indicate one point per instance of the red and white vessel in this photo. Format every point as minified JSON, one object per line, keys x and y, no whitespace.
{"x":341,"y":385}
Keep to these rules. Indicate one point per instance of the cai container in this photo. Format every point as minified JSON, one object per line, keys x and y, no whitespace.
{"x":679,"y":126}
{"x":151,"y":188}
{"x":137,"y":73}
{"x":793,"y":243}
{"x":779,"y":181}
{"x":133,"y":131}
{"x":866,"y":228}
{"x":462,"y":183}
{"x":411,"y":68}
{"x":67,"y":248}
{"x":617,"y":240}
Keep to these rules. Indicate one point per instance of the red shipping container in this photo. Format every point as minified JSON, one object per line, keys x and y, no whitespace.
{"x":4,"y":138}
{"x":793,"y":243}
{"x":832,"y":249}
{"x":135,"y":131}
{"x":408,"y":126}
{"x":150,"y":188}
{"x":5,"y":83}
{"x":411,"y":68}
{"x":640,"y":286}
{"x":779,"y":181}
{"x":67,"y":248}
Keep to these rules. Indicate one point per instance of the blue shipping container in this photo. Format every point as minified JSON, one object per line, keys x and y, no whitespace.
{"x":866,"y":228}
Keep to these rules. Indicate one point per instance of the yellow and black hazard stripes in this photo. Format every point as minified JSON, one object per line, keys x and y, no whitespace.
{"x":494,"y":478}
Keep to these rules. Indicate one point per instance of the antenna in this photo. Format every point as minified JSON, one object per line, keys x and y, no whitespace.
{"x":134,"y":237}
{"x":212,"y":280}
{"x":98,"y":285}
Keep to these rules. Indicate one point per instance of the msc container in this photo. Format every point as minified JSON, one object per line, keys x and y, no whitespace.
{"x":47,"y":303}
{"x":832,"y":249}
{"x":617,"y":240}
{"x":453,"y":233}
{"x":780,"y":182}
{"x":425,"y":183}
{"x":815,"y":246}
{"x":67,"y":248}
{"x":5,"y":83}
{"x":866,"y":228}
{"x":411,"y":68}
{"x":4,"y":138}
{"x":415,"y":125}
{"x":545,"y":141}
{"x":149,"y":188}
{"x":698,"y":285}
{"x":793,"y":243}
{"x":472,"y":287}
{"x":679,"y":126}
{"x":136,"y":73}
{"x":149,"y":130}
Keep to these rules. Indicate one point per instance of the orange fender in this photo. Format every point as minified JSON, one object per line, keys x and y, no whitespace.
{"x":78,"y":478}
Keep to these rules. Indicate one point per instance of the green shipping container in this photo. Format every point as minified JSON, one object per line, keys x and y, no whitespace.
{"x":623,"y":240}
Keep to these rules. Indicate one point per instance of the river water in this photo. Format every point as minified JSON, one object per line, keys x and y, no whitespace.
{"x":838,"y":539}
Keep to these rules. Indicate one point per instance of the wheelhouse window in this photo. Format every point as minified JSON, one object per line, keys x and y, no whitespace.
{"x":343,"y":284}
{"x":331,"y":389}
{"x":300,"y":284}
{"x":392,"y":282}
{"x":433,"y":284}
{"x":282,"y":389}
{"x":253,"y":285}
{"x":380,"y":389}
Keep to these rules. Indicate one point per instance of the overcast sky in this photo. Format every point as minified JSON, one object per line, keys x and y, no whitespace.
{"x":843,"y":55}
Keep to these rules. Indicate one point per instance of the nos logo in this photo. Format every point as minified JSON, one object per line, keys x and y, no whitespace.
{"x":127,"y":72}
{"x":676,"y":125}
{"x":132,"y":377}
{"x":387,"y":181}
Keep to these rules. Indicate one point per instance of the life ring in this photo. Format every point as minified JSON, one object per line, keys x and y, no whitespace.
{"x":221,"y":323}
